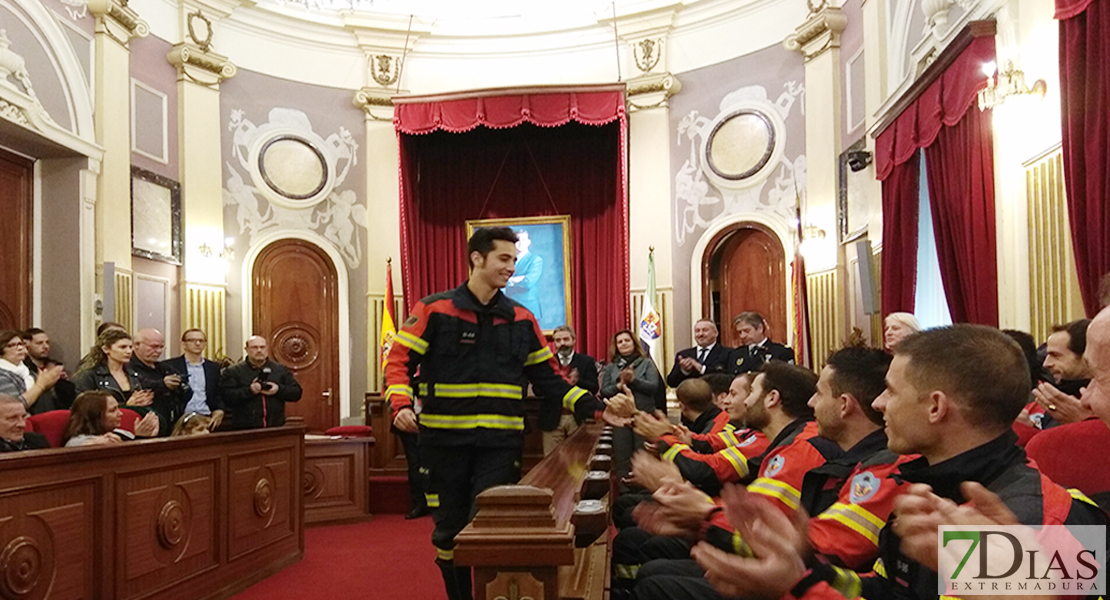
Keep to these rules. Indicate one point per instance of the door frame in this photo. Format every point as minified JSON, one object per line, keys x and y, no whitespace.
{"x":707,"y":243}
{"x":258,"y":244}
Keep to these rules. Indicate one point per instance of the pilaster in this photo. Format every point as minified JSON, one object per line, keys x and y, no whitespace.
{"x":199,"y":73}
{"x":116,"y":25}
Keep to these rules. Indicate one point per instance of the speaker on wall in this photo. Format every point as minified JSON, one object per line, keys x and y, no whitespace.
{"x":865,"y":261}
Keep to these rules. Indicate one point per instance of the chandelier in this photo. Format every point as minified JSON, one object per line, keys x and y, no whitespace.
{"x":1003,"y":84}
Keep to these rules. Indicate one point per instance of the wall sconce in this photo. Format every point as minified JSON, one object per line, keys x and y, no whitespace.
{"x":813,"y":232}
{"x":1010,"y":82}
{"x":228,"y":253}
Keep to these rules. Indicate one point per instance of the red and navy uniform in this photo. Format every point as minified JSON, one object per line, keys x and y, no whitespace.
{"x":716,"y":440}
{"x":711,"y":471}
{"x":795,"y":451}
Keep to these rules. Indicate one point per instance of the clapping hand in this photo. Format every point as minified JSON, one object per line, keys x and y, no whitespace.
{"x":147,"y":426}
{"x":649,"y":472}
{"x":1062,"y":407}
{"x":141,"y":398}
{"x":651,"y":427}
{"x":678,"y":509}
{"x":689,"y":365}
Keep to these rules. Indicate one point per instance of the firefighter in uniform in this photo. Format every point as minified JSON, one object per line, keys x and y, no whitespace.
{"x":475,"y":349}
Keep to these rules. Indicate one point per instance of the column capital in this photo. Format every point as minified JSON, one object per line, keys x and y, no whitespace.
{"x":376,"y":103}
{"x":819,"y":33}
{"x":118,"y":20}
{"x":651,"y":91}
{"x":199,"y":66}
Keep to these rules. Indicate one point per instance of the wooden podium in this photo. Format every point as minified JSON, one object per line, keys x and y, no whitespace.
{"x":545,"y":537}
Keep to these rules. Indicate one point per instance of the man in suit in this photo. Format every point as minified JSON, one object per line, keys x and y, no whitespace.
{"x":524,"y":285}
{"x":13,"y":427}
{"x":706,"y":357}
{"x":200,"y":377}
{"x":579,"y":369}
{"x":755,"y":349}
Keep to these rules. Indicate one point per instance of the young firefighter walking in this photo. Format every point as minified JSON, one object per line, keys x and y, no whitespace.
{"x":475,"y":348}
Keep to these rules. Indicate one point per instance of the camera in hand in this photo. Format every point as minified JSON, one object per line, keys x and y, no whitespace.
{"x":264,"y":375}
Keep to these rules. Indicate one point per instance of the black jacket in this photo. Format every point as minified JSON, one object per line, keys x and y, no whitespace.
{"x":715,"y":362}
{"x":474,"y":360}
{"x":212,"y":393}
{"x":742,"y":360}
{"x":166,"y":401}
{"x":249,"y":410}
{"x":59,"y":397}
{"x":587,"y":380}
{"x":31,"y":441}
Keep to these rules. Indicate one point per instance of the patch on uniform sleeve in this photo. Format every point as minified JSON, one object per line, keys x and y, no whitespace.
{"x":740,"y":361}
{"x":409,"y":322}
{"x":864,"y":487}
{"x":774,"y":466}
{"x":747,"y":441}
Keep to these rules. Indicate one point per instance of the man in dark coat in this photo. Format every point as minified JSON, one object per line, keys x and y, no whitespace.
{"x":579,"y":369}
{"x":13,"y":427}
{"x":755,"y":348}
{"x":706,"y":357}
{"x":256,"y":389}
{"x":201,"y":390}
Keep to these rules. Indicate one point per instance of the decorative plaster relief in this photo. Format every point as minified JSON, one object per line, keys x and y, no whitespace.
{"x":293,"y":174}
{"x":19,"y":103}
{"x":732,"y":157}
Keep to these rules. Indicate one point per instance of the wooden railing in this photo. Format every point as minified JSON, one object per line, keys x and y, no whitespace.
{"x":182,"y":518}
{"x":544,"y":538}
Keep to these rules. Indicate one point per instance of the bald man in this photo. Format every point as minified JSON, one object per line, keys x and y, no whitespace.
{"x":256,"y":389}
{"x":166,"y":385}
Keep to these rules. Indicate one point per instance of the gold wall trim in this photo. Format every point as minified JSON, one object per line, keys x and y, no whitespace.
{"x":1053,"y":282}
{"x":824,"y":330}
{"x":125,"y":300}
{"x":204,"y":307}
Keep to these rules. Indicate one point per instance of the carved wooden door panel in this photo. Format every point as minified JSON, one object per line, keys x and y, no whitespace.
{"x":296,"y":307}
{"x":16,"y":178}
{"x":753,"y":277}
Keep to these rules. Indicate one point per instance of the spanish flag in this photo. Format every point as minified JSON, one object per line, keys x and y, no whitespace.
{"x":389,"y":330}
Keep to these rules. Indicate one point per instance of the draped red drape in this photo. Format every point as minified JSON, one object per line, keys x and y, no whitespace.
{"x":1084,"y":89}
{"x":964,"y":225}
{"x":961,"y":194}
{"x":899,"y":272}
{"x":520,"y":156}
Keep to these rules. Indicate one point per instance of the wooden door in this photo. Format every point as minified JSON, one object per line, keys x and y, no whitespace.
{"x":752,"y":276}
{"x":296,"y":307}
{"x":16,"y":206}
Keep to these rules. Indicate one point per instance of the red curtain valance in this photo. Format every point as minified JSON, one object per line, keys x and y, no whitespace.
{"x":501,"y":112}
{"x":1066,"y":9}
{"x":943,"y":103}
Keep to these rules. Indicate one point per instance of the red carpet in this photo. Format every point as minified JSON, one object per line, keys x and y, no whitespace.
{"x":387,"y":558}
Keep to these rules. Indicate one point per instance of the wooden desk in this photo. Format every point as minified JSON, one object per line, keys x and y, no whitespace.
{"x":336,"y":480}
{"x":534,"y":539}
{"x":183,"y":518}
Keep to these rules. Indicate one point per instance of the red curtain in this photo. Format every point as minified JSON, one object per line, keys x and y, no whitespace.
{"x":964,"y":165}
{"x":961,"y":196}
{"x":521,"y":156}
{"x":899,"y":271}
{"x":1085,"y":85}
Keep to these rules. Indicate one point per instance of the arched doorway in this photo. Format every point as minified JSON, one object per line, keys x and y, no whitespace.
{"x":295,"y":305}
{"x":744,"y":268}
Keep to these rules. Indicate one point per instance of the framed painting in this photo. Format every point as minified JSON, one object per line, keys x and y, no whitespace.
{"x":542,"y":280}
{"x":155,"y":217}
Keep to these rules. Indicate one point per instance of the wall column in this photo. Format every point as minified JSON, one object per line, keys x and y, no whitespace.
{"x":116,"y":24}
{"x":199,"y":73}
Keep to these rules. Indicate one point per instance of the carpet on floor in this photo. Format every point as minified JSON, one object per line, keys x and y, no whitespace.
{"x":386,"y":558}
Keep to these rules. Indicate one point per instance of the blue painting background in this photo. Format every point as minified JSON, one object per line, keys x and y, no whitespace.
{"x":547,"y":243}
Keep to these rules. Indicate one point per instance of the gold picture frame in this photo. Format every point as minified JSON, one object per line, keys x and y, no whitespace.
{"x":537,"y":283}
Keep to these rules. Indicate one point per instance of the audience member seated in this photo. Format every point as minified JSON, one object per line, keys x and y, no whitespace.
{"x":58,"y":397}
{"x":896,"y":326}
{"x":628,"y":368}
{"x":95,"y":420}
{"x":580,"y":369}
{"x":257,"y":388}
{"x":192,"y":424}
{"x":1064,"y":360}
{"x":110,"y":371}
{"x":200,"y":389}
{"x":153,"y":376}
{"x":755,"y":348}
{"x":706,"y":357}
{"x":13,"y":427}
{"x":1060,"y":452}
{"x":15,"y":378}
{"x":952,"y":394}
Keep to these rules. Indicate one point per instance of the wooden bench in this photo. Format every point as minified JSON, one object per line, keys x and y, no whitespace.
{"x":547,"y":537}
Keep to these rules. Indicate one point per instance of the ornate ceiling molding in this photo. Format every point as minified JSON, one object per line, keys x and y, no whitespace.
{"x":652,"y":91}
{"x":198,"y":66}
{"x":377,"y":104}
{"x":819,"y":33}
